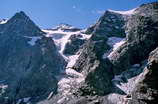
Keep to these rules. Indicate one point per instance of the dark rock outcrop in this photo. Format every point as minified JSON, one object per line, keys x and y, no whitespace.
{"x":146,"y":91}
{"x":74,"y":44}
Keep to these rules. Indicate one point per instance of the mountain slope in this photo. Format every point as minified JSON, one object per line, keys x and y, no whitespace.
{"x":29,"y":61}
{"x":112,"y":62}
{"x":113,"y":68}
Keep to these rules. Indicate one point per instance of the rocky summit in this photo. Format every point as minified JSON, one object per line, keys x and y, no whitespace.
{"x":114,"y":61}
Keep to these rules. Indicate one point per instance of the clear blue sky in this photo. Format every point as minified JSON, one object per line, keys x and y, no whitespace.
{"x":80,"y":13}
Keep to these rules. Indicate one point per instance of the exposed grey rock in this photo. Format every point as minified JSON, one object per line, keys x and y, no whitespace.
{"x":74,"y":44}
{"x":141,"y":38}
{"x":110,"y":24}
{"x":146,"y":91}
{"x":96,"y":69}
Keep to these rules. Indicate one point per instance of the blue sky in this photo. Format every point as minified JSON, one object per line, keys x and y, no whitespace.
{"x":80,"y":13}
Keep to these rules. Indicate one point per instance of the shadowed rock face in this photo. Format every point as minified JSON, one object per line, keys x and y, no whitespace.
{"x":146,"y":91}
{"x":29,"y":60}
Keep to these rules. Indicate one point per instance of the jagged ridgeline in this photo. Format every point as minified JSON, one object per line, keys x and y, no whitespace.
{"x":114,"y":61}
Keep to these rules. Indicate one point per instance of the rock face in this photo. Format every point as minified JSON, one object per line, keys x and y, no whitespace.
{"x":146,"y":91}
{"x":110,"y":24}
{"x":29,"y":61}
{"x":96,"y":69}
{"x":74,"y":44}
{"x":141,"y":38}
{"x":115,"y":62}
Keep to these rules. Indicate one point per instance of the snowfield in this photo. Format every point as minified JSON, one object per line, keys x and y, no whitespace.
{"x":33,"y":40}
{"x":129,"y":12}
{"x":61,"y":38}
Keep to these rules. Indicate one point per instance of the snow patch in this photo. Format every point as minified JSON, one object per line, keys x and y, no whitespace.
{"x":127,"y":81}
{"x":113,"y":42}
{"x":33,"y":40}
{"x":24,"y":100}
{"x":129,"y":12}
{"x":3,"y":21}
{"x":3,"y":87}
{"x":72,"y":60}
{"x":115,"y":47}
{"x":69,"y":79}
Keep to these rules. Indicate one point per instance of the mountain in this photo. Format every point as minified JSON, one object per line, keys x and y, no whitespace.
{"x":29,"y":61}
{"x":113,"y":61}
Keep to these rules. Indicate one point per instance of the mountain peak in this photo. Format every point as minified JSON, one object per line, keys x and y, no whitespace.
{"x":20,"y":23}
{"x":66,"y":27}
{"x":20,"y":16}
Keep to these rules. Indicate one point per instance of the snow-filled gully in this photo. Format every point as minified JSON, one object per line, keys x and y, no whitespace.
{"x":69,"y":77}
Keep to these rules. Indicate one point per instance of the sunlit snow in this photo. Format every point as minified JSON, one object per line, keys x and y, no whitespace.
{"x":127,"y":86}
{"x":61,"y":38}
{"x":3,"y":21}
{"x":113,"y":42}
{"x":129,"y":12}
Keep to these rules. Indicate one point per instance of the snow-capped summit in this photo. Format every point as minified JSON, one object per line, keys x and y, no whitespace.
{"x":66,"y":27}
